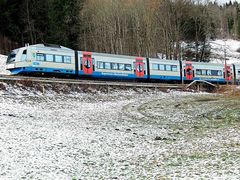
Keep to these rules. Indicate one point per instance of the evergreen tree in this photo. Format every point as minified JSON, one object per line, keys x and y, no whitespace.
{"x":238,"y":21}
{"x":64,"y":19}
{"x":34,"y":19}
{"x":9,"y":18}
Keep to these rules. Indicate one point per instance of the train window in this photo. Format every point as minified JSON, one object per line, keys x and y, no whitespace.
{"x":67,"y":59}
{"x":128,"y":67}
{"x":140,"y":68}
{"x":204,"y":72}
{"x":161,"y":67}
{"x":209,"y":72}
{"x":100,"y":65}
{"x":155,"y":66}
{"x":174,"y":68}
{"x":220,"y":73}
{"x":168,"y":67}
{"x":114,"y":66}
{"x":121,"y":67}
{"x":49,"y":57}
{"x":238,"y":72}
{"x":199,"y":72}
{"x":40,"y":57}
{"x":214,"y":72}
{"x":24,"y":55}
{"x":11,"y":57}
{"x":58,"y":59}
{"x":107,"y":65}
{"x":87,"y":63}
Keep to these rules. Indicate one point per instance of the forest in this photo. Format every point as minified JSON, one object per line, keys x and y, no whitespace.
{"x":175,"y":29}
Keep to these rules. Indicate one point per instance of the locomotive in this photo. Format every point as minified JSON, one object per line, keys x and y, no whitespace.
{"x":48,"y":59}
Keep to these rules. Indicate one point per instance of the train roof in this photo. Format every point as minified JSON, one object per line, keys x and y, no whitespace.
{"x":111,"y":55}
{"x":208,"y":63}
{"x":51,"y":46}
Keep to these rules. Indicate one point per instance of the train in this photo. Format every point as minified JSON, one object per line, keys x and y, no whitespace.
{"x":54,"y":60}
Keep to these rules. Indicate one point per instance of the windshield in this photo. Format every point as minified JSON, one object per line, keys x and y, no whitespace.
{"x":11,"y":57}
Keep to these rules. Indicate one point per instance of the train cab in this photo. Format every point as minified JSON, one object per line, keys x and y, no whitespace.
{"x":41,"y":59}
{"x":18,"y":60}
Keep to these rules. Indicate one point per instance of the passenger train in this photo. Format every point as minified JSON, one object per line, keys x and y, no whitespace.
{"x":47,"y":59}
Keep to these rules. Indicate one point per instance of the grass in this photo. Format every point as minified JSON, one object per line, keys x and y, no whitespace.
{"x":197,"y":132}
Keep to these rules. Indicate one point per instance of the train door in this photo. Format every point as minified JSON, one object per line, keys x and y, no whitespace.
{"x":238,"y":74}
{"x":87,"y":63}
{"x":188,"y":71}
{"x":139,"y":67}
{"x":228,"y":73}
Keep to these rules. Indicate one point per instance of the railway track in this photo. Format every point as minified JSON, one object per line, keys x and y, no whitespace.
{"x":7,"y":78}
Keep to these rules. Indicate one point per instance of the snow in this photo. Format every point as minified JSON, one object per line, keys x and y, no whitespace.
{"x":231,"y":46}
{"x":112,"y":136}
{"x":3,"y":60}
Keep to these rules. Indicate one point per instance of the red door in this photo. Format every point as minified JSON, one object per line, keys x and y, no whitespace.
{"x":189,"y":70}
{"x":139,"y":67}
{"x":229,"y":73}
{"x":87,"y":63}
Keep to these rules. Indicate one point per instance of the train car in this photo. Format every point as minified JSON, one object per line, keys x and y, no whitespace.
{"x":101,"y":65}
{"x":58,"y":60}
{"x":210,"y":72}
{"x":165,"y":70}
{"x":237,"y":73}
{"x":41,"y":58}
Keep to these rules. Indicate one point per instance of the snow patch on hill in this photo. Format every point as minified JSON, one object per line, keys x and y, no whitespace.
{"x":230,"y":46}
{"x":3,"y":60}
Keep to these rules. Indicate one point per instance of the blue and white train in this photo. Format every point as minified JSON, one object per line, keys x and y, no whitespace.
{"x":55,"y":60}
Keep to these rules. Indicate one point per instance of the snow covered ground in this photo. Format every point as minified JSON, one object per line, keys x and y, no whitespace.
{"x":3,"y":60}
{"x":122,"y":135}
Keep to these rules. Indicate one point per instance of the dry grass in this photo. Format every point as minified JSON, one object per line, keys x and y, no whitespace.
{"x":229,"y":90}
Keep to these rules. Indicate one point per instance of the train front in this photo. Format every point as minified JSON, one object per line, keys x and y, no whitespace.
{"x":18,"y":61}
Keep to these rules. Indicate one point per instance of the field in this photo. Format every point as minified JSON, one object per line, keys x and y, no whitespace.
{"x":122,"y":135}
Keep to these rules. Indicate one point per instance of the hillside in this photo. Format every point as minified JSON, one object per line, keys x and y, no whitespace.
{"x":231,"y":47}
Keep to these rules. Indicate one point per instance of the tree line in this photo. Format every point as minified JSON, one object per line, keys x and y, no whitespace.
{"x":176,"y":29}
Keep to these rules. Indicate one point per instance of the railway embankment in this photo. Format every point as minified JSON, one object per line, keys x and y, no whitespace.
{"x":68,"y":86}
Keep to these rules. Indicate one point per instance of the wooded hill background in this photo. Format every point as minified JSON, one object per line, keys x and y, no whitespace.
{"x":130,"y":27}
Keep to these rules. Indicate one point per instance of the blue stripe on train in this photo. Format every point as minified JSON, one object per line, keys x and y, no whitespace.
{"x":220,"y":80}
{"x":113,"y":75}
{"x":40,"y":70}
{"x":110,"y":75}
{"x":166,"y":78}
{"x":96,"y":74}
{"x":107,"y":75}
